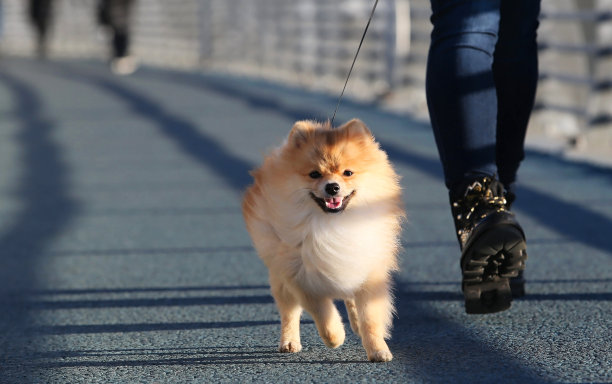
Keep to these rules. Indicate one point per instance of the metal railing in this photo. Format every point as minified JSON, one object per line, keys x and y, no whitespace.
{"x":575,"y":93}
{"x":311,"y":43}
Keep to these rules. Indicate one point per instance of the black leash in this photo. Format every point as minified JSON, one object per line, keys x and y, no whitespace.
{"x":353,"y":64}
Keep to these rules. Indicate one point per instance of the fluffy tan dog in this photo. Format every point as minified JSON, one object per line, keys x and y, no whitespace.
{"x":324,"y":214}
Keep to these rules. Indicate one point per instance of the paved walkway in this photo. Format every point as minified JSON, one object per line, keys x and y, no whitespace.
{"x":124,"y":257}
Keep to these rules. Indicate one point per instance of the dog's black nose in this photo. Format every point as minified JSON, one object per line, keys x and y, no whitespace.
{"x":332,"y":188}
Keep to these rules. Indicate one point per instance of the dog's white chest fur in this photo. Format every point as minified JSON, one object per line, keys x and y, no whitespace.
{"x":338,"y":252}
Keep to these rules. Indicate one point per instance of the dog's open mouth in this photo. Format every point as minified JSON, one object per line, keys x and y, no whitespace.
{"x":332,"y":204}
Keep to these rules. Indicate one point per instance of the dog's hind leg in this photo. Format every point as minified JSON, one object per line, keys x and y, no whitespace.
{"x":290,"y":313}
{"x":351,"y":309}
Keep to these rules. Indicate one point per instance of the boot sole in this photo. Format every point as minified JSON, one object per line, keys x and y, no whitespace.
{"x":517,"y":286}
{"x":488,"y":265}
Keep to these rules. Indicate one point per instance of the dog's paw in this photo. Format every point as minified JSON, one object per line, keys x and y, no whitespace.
{"x":290,"y":347}
{"x":380,"y":356}
{"x":335,"y":338}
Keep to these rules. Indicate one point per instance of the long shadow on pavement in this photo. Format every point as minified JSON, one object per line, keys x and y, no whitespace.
{"x":213,"y":356}
{"x":205,"y":149}
{"x":47,"y":210}
{"x":149,"y":302}
{"x":142,"y":327}
{"x":107,"y":291}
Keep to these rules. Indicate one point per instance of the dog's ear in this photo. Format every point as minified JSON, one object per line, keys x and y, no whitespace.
{"x":356,"y":128}
{"x":300,"y":132}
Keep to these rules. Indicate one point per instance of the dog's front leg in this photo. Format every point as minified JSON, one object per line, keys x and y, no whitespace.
{"x":290,"y":313}
{"x":375,"y":311}
{"x":327,"y":319}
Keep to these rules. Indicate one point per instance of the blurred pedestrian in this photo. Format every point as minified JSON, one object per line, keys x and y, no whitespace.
{"x":1,"y":25}
{"x":40,"y":16}
{"x":390,"y":51}
{"x":482,"y":73}
{"x":116,"y":15}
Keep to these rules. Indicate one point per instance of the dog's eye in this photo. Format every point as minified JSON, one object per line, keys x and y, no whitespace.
{"x":348,"y":173}
{"x":314,"y":174}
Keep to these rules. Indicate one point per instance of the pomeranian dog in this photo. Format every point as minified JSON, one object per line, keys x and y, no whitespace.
{"x":325,"y":214}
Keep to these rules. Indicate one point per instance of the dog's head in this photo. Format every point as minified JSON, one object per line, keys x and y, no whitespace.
{"x":338,"y":168}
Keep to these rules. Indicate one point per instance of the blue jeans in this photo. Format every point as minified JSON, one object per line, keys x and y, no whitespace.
{"x":482,"y":72}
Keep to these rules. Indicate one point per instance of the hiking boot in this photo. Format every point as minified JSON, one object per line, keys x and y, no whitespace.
{"x":517,"y":284}
{"x":493,"y":248}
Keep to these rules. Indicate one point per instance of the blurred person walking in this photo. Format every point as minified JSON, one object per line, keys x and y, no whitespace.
{"x":116,"y":15}
{"x":390,"y":55}
{"x":40,"y":17}
{"x":482,"y":72}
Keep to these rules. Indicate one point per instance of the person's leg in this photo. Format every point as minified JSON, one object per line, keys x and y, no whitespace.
{"x":462,"y":101}
{"x":120,"y":17}
{"x":390,"y":44}
{"x":515,"y":69}
{"x":120,"y":42}
{"x":460,"y":87}
{"x":40,"y":13}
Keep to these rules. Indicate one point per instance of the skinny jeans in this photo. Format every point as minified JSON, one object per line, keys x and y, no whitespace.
{"x":482,"y":72}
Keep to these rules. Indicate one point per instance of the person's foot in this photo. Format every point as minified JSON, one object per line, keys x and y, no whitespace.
{"x":517,"y":284}
{"x":492,"y":243}
{"x":125,"y":65}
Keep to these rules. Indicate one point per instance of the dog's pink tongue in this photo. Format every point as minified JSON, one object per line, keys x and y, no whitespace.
{"x":333,"y":202}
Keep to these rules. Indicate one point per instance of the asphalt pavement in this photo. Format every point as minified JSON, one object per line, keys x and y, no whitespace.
{"x":124,"y":257}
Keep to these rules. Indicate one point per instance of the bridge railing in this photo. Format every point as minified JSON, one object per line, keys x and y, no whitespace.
{"x":311,"y":43}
